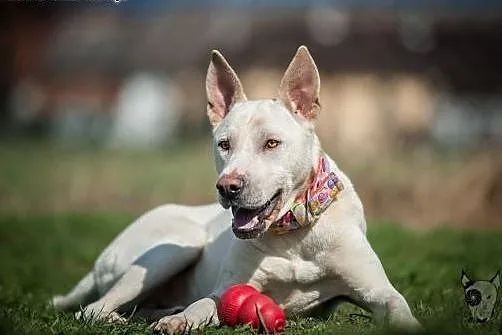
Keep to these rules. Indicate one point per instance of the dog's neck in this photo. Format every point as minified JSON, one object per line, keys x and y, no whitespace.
{"x":310,"y":204}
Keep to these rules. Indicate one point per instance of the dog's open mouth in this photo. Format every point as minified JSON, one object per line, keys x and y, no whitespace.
{"x":250,"y":222}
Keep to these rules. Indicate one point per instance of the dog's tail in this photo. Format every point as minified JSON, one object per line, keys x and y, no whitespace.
{"x":82,"y":294}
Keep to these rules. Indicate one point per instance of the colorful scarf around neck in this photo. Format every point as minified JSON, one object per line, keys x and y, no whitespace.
{"x":309,"y":205}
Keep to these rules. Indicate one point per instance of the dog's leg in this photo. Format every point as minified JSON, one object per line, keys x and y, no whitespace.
{"x":153,"y":268}
{"x":199,"y":314}
{"x":362,"y":272}
{"x":82,"y":294}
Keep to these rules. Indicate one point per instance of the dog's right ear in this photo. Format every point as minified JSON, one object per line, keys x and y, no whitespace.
{"x":466,"y":281}
{"x":300,"y":86}
{"x":223,"y":88}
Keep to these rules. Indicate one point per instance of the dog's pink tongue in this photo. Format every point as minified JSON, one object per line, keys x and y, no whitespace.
{"x":245,"y":218}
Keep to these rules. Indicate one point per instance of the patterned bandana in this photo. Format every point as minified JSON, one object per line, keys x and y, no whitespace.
{"x":309,"y":205}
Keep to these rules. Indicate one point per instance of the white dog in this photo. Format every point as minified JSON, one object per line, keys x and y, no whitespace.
{"x":297,"y":224}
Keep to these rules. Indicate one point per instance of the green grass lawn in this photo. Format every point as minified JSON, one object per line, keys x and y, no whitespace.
{"x":45,"y":251}
{"x":41,"y":256}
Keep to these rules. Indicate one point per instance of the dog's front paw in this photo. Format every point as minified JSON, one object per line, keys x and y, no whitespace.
{"x":198,"y":315}
{"x":400,"y":316}
{"x":171,"y":324}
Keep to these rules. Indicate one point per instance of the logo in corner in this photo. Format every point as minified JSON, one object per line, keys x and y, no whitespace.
{"x":481,"y":296}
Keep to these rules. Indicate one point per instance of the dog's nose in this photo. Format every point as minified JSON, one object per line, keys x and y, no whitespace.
{"x":230,"y":186}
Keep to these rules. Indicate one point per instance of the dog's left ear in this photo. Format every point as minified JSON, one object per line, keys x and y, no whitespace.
{"x":223,"y":88}
{"x":496,"y":280}
{"x":300,"y":85}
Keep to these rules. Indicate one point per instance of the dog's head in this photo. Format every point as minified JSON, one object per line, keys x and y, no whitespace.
{"x":264,"y":150}
{"x":481,"y":296}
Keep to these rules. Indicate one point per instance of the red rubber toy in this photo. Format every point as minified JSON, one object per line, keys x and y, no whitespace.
{"x":231,"y":302}
{"x":244,"y":305}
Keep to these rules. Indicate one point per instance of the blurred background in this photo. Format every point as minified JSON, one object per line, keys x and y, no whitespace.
{"x":102,"y":103}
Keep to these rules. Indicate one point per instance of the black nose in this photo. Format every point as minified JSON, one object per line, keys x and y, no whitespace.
{"x":230,"y":186}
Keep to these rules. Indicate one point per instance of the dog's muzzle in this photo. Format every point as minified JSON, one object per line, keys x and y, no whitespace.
{"x":250,"y":222}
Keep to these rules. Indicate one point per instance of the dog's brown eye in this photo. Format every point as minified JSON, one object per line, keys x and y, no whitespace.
{"x":224,"y":145}
{"x":271,"y":144}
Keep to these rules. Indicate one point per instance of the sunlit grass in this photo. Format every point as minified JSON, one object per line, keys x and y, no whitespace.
{"x":41,"y":256}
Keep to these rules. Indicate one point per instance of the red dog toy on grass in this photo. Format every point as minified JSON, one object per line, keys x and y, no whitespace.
{"x":244,"y":305}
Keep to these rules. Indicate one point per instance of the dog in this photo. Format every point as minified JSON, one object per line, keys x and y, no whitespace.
{"x":288,"y":222}
{"x":481,"y":296}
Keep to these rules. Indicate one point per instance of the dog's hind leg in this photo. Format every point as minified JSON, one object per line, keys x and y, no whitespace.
{"x":156,"y":266}
{"x":82,"y":294}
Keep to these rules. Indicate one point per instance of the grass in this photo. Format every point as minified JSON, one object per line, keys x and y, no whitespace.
{"x":41,"y":256}
{"x":44,"y":178}
{"x":44,"y":249}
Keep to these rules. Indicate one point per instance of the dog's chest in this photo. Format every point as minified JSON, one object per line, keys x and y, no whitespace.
{"x":282,"y":270}
{"x":295,"y":284}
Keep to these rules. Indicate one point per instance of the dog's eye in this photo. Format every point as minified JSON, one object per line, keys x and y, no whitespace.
{"x":224,"y":145}
{"x":271,"y":144}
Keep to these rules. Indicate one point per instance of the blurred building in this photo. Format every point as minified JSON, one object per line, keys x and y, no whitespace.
{"x":396,"y":75}
{"x":393,"y":72}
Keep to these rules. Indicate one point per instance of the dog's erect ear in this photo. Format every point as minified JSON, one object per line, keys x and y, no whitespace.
{"x":300,"y":85}
{"x":496,"y":280}
{"x":466,"y":282}
{"x":223,"y":88}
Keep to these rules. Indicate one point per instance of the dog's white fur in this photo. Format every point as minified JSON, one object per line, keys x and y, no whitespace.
{"x":180,"y":255}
